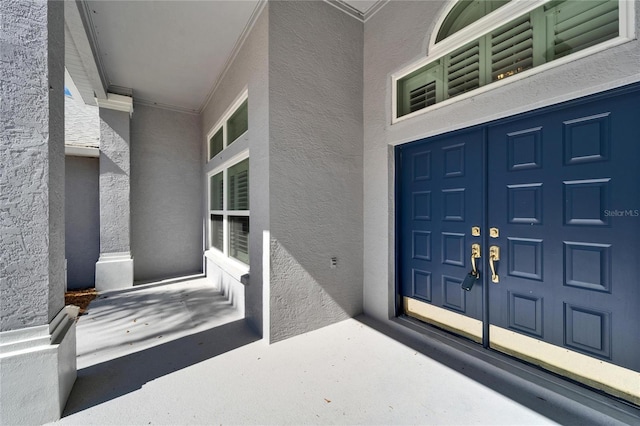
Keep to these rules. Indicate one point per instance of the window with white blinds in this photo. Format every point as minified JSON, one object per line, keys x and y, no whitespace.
{"x":229,"y":211}
{"x":551,"y":31}
{"x":228,"y":184}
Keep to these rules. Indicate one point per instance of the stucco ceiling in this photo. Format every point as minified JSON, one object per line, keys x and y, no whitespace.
{"x":172,"y":53}
{"x":167,"y":52}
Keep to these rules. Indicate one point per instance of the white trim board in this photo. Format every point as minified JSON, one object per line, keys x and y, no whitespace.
{"x":81,"y":151}
{"x":117,"y":103}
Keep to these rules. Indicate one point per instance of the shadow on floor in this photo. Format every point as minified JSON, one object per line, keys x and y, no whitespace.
{"x":560,"y":400}
{"x":111,"y":379}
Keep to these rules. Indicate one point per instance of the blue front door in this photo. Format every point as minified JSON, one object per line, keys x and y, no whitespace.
{"x":555,"y":195}
{"x":563,"y":193}
{"x":442,"y":194}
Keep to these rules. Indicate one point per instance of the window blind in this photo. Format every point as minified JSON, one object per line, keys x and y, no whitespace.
{"x":463,"y":69}
{"x":239,"y":238}
{"x":217,"y":232}
{"x":576,"y":25}
{"x":238,"y":176}
{"x":512,"y":48}
{"x":422,"y":96}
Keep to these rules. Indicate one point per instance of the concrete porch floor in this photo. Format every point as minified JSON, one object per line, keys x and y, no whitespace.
{"x":180,"y":354}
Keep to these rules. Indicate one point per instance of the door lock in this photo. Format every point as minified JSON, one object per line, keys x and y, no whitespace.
{"x":474,"y":275}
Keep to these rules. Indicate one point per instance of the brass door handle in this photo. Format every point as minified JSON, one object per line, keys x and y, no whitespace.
{"x":494,"y":255}
{"x":475,"y":254}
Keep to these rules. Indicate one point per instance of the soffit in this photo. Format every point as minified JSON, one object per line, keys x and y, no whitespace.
{"x":168,"y":53}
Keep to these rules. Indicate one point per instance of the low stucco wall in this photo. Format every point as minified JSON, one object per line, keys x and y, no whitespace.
{"x":82,"y":218}
{"x":229,"y":286}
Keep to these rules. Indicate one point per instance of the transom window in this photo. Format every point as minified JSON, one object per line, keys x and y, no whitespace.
{"x":465,"y":13}
{"x":546,"y":33}
{"x":230,"y":129}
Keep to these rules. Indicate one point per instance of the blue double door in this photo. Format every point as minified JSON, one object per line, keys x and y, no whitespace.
{"x":549,"y":203}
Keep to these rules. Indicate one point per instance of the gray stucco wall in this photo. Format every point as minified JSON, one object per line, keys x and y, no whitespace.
{"x":31,"y":163}
{"x":166,"y":193}
{"x":248,"y":70}
{"x":82,"y":218}
{"x":315,"y":157}
{"x":397,"y":36}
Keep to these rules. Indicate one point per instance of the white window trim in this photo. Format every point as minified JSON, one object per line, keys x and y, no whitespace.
{"x":221,"y":122}
{"x":494,"y":20}
{"x":230,"y":265}
{"x":222,"y":258}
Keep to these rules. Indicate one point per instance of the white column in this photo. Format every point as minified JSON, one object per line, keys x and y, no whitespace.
{"x":114,"y":268}
{"x":37,"y":334}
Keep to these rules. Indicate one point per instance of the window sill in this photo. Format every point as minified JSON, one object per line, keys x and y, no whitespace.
{"x":238,"y":270}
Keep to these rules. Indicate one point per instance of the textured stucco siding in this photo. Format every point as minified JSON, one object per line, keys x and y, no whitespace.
{"x":248,"y":70}
{"x":82,"y":123}
{"x":396,"y":37}
{"x":115,"y":181}
{"x":166,"y":193}
{"x":315,"y":157}
{"x":82,"y":217}
{"x":31,"y":163}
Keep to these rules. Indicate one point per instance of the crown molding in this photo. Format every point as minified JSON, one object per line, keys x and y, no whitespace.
{"x":346,"y":8}
{"x":374,"y":9}
{"x":355,"y":13}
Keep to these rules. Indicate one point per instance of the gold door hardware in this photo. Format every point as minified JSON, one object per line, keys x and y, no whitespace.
{"x":475,"y":254}
{"x":494,"y":232}
{"x":494,"y":255}
{"x":475,"y":231}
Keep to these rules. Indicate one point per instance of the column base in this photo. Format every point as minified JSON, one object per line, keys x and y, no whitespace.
{"x":114,"y":271}
{"x":38,"y":369}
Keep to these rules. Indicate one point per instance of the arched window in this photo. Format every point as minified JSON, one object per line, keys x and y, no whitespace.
{"x":471,"y":52}
{"x":465,"y":13}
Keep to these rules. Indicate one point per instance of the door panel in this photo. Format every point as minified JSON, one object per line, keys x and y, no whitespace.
{"x":569,"y":269}
{"x":441,"y":198}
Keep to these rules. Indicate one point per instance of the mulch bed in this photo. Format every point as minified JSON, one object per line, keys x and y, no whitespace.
{"x":80,"y":298}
